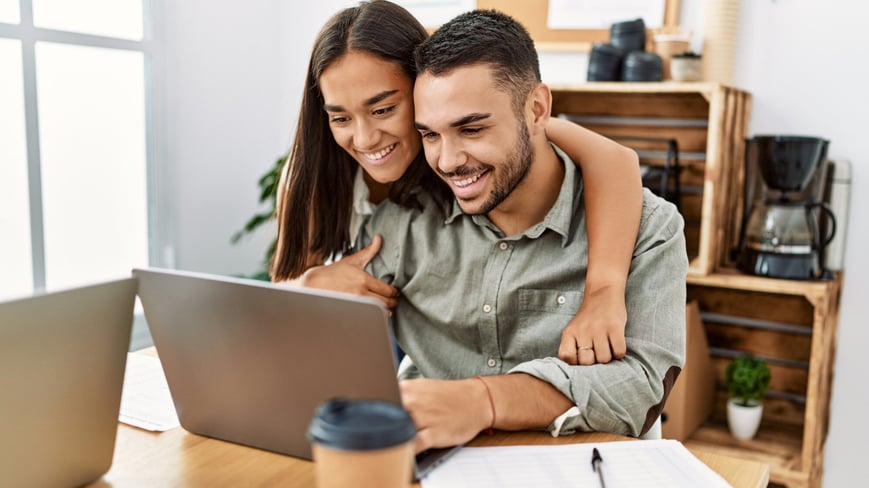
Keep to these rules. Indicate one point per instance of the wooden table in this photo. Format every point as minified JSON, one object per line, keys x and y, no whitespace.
{"x":178,"y":458}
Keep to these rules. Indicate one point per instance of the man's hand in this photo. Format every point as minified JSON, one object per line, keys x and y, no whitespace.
{"x":348,"y":275}
{"x":597,"y":333}
{"x":446,"y":412}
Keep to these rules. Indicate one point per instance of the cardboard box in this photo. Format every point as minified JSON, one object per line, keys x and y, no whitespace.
{"x":692,"y":398}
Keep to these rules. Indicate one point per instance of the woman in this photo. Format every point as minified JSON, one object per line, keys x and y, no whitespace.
{"x":357,"y":110}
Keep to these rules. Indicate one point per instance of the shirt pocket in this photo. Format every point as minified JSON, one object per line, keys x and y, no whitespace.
{"x":557,"y":302}
{"x":543,"y":315}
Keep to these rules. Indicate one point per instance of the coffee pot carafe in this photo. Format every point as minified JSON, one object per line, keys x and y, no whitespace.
{"x":784,"y":240}
{"x":783,"y":236}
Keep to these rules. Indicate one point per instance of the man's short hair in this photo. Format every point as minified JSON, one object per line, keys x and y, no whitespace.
{"x":484,"y":37}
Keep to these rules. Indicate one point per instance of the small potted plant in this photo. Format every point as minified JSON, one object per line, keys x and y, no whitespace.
{"x":747,"y":379}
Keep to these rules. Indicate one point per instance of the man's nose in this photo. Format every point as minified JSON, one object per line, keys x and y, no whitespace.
{"x":451,"y":157}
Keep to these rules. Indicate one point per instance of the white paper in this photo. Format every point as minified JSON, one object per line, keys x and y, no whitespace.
{"x":601,"y":14}
{"x":146,"y":402}
{"x":433,"y":13}
{"x":627,"y":464}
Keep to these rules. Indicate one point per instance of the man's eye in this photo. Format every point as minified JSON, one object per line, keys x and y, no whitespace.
{"x":429,"y":136}
{"x":384,"y":110}
{"x":471,"y":130}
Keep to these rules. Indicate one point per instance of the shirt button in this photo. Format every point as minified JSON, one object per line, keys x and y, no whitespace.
{"x":487,"y":308}
{"x":561,"y":300}
{"x":491,"y":363}
{"x":504,"y":246}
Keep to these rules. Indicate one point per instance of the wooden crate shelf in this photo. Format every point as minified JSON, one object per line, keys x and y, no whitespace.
{"x":780,"y":448}
{"x":793,"y":325}
{"x":708,"y":120}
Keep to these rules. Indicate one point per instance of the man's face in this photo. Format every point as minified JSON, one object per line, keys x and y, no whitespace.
{"x":471,"y":136}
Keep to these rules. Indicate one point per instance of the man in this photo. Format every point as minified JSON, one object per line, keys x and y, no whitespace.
{"x":489,"y":281}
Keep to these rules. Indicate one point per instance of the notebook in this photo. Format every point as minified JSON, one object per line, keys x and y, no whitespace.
{"x":62,"y":358}
{"x":249,"y":361}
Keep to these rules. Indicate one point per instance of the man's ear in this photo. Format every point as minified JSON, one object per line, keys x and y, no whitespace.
{"x":540,"y":108}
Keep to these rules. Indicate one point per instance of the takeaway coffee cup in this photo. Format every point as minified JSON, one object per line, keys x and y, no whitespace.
{"x":363,"y":444}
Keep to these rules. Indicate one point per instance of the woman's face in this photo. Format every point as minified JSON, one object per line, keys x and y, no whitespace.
{"x":369,"y":102}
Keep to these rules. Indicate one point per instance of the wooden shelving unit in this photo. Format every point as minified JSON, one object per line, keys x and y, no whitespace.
{"x":709,"y":122}
{"x":793,"y":325}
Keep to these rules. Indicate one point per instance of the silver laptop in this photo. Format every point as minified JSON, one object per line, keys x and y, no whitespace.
{"x":249,"y":361}
{"x":62,"y":358}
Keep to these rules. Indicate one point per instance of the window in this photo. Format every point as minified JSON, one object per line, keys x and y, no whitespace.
{"x":9,"y":12}
{"x":16,"y":278}
{"x":116,"y":18}
{"x":73,"y":142}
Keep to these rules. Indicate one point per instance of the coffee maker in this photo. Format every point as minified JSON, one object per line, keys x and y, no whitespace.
{"x":788,"y":224}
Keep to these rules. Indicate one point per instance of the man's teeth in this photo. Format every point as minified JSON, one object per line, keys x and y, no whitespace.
{"x":380,"y":154}
{"x":467,"y":181}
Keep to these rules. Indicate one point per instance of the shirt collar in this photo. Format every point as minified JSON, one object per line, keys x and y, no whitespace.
{"x":454,"y":212}
{"x":361,"y":204}
{"x":558,"y":218}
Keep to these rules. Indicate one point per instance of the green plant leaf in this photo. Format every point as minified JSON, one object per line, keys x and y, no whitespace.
{"x":747,"y":378}
{"x":268,"y":185}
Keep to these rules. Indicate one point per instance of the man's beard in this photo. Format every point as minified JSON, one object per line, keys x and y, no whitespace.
{"x":514,"y":169}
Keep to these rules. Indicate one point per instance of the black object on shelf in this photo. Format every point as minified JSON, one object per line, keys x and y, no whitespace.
{"x":642,"y":66}
{"x":604,"y":62}
{"x":662,"y":180}
{"x":629,"y":35}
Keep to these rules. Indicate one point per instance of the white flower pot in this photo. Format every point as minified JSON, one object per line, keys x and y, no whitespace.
{"x":744,"y":421}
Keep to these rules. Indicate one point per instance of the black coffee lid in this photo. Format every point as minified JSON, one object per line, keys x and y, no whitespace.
{"x":360,"y":425}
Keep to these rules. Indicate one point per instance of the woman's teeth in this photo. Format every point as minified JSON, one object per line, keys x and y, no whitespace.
{"x":379,"y":154}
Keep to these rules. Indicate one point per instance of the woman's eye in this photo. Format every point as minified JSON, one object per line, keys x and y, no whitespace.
{"x":338,"y":119}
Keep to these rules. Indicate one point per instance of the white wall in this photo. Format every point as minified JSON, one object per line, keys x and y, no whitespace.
{"x":234,"y":74}
{"x":804,"y":61}
{"x":222,"y":72}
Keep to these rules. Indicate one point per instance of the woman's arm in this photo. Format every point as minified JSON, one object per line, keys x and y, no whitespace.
{"x":613,"y":202}
{"x":346,"y":275}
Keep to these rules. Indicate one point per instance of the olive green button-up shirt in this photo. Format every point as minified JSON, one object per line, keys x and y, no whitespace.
{"x":477,"y":302}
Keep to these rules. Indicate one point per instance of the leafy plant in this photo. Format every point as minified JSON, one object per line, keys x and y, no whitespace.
{"x":747,"y":378}
{"x":268,"y":185}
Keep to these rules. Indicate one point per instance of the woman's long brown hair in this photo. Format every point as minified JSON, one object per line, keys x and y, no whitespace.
{"x":315,"y":196}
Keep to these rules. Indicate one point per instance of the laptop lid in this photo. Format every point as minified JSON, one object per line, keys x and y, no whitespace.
{"x":249,"y":361}
{"x":62,"y":358}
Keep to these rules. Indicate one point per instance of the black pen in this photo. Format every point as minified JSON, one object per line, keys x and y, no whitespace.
{"x":596,"y":460}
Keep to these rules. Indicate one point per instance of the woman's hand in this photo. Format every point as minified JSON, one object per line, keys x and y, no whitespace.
{"x":348,"y":275}
{"x":597,"y":333}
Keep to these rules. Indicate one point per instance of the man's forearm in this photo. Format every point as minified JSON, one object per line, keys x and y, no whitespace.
{"x":523,"y":402}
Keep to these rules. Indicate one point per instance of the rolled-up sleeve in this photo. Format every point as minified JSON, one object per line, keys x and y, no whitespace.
{"x":626,"y":396}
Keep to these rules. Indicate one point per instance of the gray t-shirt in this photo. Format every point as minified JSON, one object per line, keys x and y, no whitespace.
{"x":477,"y":302}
